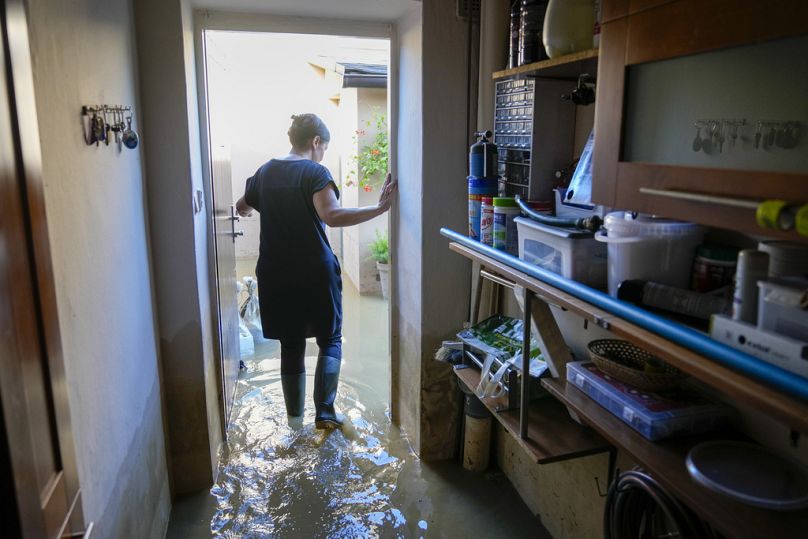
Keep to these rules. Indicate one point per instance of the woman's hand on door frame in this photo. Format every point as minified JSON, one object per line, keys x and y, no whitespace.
{"x":388,"y":193}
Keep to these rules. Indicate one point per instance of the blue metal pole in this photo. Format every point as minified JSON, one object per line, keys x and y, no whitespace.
{"x":772,"y":375}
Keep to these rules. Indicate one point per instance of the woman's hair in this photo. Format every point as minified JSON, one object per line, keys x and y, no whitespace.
{"x":305,"y":127}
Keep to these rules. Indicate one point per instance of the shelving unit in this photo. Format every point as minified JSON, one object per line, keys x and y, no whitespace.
{"x":666,"y":462}
{"x":790,"y":410}
{"x":552,"y":435}
{"x":568,"y":66}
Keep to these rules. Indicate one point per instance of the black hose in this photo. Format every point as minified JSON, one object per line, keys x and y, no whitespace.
{"x":591,"y":224}
{"x":635,"y":504}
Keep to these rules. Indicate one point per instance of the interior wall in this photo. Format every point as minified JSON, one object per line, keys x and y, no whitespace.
{"x":83,"y":53}
{"x":405,"y":243}
{"x":170,"y":137}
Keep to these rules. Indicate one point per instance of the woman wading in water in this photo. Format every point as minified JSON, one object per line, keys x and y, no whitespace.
{"x":299,"y":277}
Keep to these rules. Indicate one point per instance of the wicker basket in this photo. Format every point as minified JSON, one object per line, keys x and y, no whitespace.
{"x":625,"y":362}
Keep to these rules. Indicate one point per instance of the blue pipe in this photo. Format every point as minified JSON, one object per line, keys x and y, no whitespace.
{"x":753,"y":367}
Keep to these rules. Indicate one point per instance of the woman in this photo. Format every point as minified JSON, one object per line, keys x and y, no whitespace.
{"x":299,"y":282}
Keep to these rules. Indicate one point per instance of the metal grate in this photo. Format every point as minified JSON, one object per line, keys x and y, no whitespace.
{"x":468,"y":7}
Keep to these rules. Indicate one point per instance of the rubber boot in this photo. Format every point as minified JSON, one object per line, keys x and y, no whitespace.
{"x":294,"y":393}
{"x":326,"y":378}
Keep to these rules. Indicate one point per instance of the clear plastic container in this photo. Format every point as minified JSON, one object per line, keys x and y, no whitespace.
{"x":571,"y":253}
{"x":649,"y":249}
{"x":654,"y":416}
{"x":780,"y":307}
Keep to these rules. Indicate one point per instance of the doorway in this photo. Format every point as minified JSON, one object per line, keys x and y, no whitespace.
{"x":255,"y":82}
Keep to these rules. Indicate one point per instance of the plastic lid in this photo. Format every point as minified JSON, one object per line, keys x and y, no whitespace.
{"x":750,"y":474}
{"x":720,"y":253}
{"x":505,"y":202}
{"x":624,"y":224}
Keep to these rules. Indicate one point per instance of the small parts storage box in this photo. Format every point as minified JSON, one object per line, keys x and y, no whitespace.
{"x":655,"y":416}
{"x":569,"y":252}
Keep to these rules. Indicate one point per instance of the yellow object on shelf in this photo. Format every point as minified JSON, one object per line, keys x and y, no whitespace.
{"x":801,"y":220}
{"x":768,"y":213}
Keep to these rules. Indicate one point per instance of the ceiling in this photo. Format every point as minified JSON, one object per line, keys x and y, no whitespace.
{"x":366,"y":10}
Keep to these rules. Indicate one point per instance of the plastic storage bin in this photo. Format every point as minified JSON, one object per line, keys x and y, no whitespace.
{"x":655,"y":416}
{"x":572,"y":253}
{"x":649,"y":249}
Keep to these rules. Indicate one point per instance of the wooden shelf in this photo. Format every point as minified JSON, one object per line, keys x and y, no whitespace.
{"x":666,"y":462}
{"x":567,"y":66}
{"x":790,"y":410}
{"x":552,"y":435}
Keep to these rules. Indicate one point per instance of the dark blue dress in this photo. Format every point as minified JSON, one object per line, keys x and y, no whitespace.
{"x":299,"y":277}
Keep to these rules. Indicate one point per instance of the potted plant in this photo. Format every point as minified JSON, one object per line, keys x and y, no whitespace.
{"x":380,"y":252}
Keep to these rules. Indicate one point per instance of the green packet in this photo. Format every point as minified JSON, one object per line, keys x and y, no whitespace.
{"x":501,"y":336}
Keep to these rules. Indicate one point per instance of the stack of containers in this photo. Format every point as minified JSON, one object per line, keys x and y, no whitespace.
{"x":482,"y":180}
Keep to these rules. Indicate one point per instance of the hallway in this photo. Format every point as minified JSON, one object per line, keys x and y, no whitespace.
{"x":281,"y":479}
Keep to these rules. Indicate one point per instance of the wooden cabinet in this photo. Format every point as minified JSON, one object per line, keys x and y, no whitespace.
{"x":643,"y":110}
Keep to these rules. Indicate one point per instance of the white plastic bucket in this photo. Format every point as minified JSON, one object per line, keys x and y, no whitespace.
{"x":650,"y":249}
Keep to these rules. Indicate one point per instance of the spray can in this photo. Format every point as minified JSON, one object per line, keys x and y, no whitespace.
{"x":478,"y":188}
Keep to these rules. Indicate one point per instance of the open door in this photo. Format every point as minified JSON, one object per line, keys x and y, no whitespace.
{"x":40,"y":489}
{"x":225,"y":233}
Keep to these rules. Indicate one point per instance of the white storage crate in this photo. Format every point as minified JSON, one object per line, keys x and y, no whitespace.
{"x":572,"y":253}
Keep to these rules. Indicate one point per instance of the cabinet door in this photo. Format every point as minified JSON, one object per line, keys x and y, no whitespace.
{"x":670,"y":65}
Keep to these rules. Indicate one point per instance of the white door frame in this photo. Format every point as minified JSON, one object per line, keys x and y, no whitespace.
{"x":252,"y":22}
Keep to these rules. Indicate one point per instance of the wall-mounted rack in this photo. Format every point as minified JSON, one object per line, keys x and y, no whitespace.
{"x":103,"y":123}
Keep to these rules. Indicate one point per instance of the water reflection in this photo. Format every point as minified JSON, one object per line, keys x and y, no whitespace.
{"x":284,"y":478}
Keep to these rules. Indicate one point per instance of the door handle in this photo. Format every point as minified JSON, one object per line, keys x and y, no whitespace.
{"x":234,"y":218}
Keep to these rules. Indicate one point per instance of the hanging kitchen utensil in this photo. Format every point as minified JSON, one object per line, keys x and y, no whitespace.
{"x":130,"y":137}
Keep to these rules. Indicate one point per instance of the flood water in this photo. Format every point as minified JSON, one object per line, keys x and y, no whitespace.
{"x":281,"y":477}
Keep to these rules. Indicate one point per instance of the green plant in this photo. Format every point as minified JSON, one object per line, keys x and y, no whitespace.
{"x":373,"y":159}
{"x":380,"y":248}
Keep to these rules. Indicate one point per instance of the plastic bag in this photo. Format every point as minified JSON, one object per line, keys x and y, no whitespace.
{"x":491,"y":384}
{"x":250,"y":311}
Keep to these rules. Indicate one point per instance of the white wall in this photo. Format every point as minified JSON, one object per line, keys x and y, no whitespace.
{"x":170,"y":135}
{"x":406,"y":240}
{"x":83,"y":53}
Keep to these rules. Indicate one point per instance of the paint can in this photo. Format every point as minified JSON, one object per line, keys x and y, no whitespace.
{"x":487,"y":220}
{"x":506,"y":237}
{"x":478,"y":187}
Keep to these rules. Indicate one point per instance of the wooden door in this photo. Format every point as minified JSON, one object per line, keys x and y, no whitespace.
{"x":42,"y":497}
{"x":225,"y":221}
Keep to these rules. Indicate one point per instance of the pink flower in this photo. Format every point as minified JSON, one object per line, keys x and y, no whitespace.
{"x":368,"y":188}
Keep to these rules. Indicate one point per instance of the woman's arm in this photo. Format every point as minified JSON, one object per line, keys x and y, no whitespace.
{"x":242,"y":208}
{"x":329,"y":210}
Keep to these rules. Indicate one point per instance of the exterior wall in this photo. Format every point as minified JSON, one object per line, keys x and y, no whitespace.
{"x":357,"y":107}
{"x":83,"y":53}
{"x":178,"y":239}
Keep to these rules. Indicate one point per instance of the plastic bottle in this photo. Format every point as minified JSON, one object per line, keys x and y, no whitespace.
{"x":506,"y":236}
{"x":675,"y":300}
{"x":753,"y":266}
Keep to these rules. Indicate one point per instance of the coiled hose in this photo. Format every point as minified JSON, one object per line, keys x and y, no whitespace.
{"x":591,"y":224}
{"x":638,"y":507}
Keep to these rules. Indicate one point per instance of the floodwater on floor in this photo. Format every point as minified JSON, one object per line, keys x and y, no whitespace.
{"x":281,"y":477}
